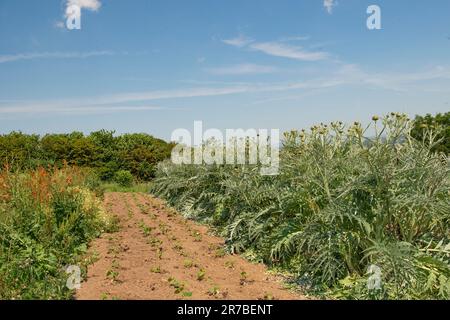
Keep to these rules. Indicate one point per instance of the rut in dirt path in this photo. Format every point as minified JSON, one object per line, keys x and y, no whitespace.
{"x":157,"y":254}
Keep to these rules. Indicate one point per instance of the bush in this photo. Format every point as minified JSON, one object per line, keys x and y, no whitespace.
{"x":20,"y":150}
{"x":438,"y":125}
{"x":47,"y":219}
{"x":124,"y":178}
{"x":101,"y":150}
{"x":345,"y":199}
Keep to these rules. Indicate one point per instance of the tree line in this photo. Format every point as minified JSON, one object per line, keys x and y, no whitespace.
{"x":102,"y":150}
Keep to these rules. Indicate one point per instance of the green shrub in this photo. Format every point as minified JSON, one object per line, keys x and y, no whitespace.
{"x":124,"y":178}
{"x":47,"y":219}
{"x":101,"y":150}
{"x":439,"y":124}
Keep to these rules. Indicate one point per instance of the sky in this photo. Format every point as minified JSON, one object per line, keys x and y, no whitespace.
{"x":157,"y":65}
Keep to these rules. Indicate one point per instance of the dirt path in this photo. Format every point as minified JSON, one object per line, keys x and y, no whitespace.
{"x":157,"y":254}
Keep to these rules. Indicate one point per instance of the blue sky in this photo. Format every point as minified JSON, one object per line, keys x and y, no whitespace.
{"x":155,"y":66}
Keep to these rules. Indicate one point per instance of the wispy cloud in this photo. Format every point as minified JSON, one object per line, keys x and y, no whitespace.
{"x":240,"y":41}
{"x":329,"y":5}
{"x":344,"y":75}
{"x":114,"y":102}
{"x":295,"y":38}
{"x":167,"y":94}
{"x":278,"y":48}
{"x":404,"y":82}
{"x":59,"y":25}
{"x":243,"y":69}
{"x":55,"y":109}
{"x":288,"y":51}
{"x":53,"y":55}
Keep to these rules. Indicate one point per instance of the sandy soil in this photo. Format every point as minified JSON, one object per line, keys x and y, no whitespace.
{"x":157,"y":254}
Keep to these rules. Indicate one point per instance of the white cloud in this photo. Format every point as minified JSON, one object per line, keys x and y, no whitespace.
{"x":345,"y":75}
{"x":294,"y":38}
{"x":240,"y":41}
{"x":59,"y":25}
{"x":54,"y":55}
{"x":288,"y":51}
{"x":329,"y":5}
{"x":406,"y":81}
{"x":393,"y":81}
{"x":92,"y":5}
{"x":242,"y":69}
{"x":34,"y":109}
{"x":278,"y":48}
{"x":113,"y":102}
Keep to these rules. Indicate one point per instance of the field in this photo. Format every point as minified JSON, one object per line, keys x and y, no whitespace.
{"x":355,"y":213}
{"x":351,"y":206}
{"x":157,"y":254}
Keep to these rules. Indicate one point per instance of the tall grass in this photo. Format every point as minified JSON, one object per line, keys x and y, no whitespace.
{"x":345,"y":199}
{"x":47,"y":218}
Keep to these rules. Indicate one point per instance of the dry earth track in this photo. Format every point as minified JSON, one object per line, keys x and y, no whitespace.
{"x":157,"y":254}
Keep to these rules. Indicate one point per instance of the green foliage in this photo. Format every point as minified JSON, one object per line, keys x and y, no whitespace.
{"x":345,"y":199}
{"x":137,"y":153}
{"x":20,"y":150}
{"x":46,"y":221}
{"x":115,"y":187}
{"x":439,"y":125}
{"x":124,"y":178}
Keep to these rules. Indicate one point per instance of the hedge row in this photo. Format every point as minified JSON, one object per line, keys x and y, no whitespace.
{"x":102,"y":150}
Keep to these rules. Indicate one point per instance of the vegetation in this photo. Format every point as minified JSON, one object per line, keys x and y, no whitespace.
{"x":47,"y":218}
{"x":188,"y":263}
{"x":177,"y":285}
{"x":134,"y":188}
{"x":108,"y":154}
{"x":347,"y":202}
{"x":201,"y":275}
{"x":351,"y":207}
{"x":439,"y":122}
{"x":124,"y":178}
{"x":156,"y":269}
